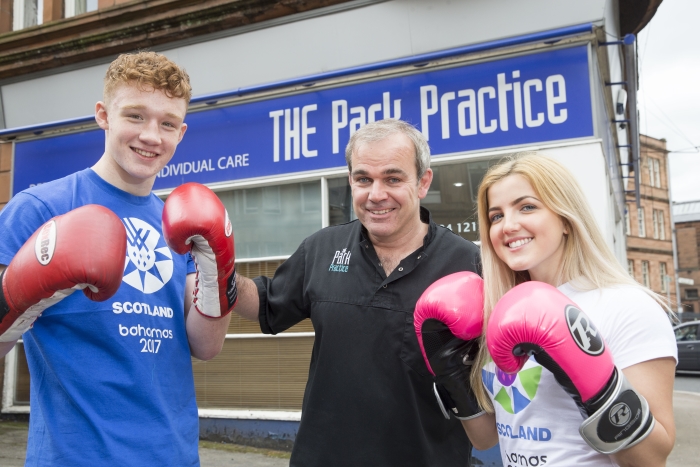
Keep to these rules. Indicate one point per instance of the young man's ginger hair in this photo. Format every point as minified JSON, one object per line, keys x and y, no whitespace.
{"x":148,"y":71}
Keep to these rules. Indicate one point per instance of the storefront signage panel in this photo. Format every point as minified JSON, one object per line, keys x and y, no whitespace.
{"x":515,"y":101}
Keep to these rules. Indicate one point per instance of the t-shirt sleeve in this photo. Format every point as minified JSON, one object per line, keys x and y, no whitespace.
{"x":283,"y":300}
{"x":191,"y":268}
{"x":641,"y":329}
{"x":20,"y":218}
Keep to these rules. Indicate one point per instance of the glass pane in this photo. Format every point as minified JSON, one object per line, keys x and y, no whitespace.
{"x":80,"y":7}
{"x":91,"y":5}
{"x":273,"y":221}
{"x":687,"y":333}
{"x":22,"y":382}
{"x":30,"y":13}
{"x":452,"y":196}
{"x":339,"y":201}
{"x":311,"y":197}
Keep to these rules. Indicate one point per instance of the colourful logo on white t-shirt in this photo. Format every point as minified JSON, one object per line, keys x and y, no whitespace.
{"x":148,"y":266}
{"x":512,"y":392}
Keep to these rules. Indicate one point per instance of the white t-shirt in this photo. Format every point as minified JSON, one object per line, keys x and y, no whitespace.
{"x":537,"y":420}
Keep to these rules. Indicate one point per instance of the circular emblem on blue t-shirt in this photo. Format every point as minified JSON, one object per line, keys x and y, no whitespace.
{"x":149,"y":262}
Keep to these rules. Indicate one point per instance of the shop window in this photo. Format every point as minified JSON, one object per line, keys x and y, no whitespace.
{"x":26,"y":13}
{"x":271,"y":200}
{"x":273,"y":221}
{"x":310,"y":197}
{"x":78,"y":7}
{"x":252,"y":199}
{"x":17,"y":383}
{"x":452,"y":196}
{"x":340,"y":208}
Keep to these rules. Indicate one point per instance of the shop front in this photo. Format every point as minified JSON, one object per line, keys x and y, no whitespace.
{"x":274,"y":154}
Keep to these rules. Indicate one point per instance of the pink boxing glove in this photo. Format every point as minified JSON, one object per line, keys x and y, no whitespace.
{"x":448,"y":321}
{"x":195,"y":220}
{"x":535,"y":318}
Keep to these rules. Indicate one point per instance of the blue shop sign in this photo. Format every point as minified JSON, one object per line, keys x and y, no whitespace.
{"x":521,"y":100}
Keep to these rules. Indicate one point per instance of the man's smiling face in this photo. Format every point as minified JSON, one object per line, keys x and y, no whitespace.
{"x":143,"y":128}
{"x":386,"y":192}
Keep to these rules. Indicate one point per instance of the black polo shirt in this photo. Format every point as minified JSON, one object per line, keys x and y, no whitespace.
{"x":369,"y":398}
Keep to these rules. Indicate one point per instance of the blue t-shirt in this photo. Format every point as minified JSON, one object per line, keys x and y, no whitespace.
{"x":111,"y":382}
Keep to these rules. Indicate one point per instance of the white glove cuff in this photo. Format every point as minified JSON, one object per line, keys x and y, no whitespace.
{"x":623,"y":421}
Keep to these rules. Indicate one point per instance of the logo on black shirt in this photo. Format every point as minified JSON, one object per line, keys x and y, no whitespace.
{"x":340,"y":261}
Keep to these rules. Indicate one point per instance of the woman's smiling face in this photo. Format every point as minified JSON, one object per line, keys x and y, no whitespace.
{"x":525,"y":234}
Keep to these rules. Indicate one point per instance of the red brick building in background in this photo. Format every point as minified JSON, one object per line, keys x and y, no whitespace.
{"x":687,"y":221}
{"x":649,"y":228}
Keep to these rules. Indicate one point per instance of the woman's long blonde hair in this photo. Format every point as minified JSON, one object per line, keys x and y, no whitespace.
{"x":587,"y":259}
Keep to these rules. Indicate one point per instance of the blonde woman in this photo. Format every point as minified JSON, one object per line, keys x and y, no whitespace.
{"x":535,"y":225}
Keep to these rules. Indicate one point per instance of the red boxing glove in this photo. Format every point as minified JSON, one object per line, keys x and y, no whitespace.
{"x":535,"y":318}
{"x":82,"y":249}
{"x":195,"y":220}
{"x":448,"y":321}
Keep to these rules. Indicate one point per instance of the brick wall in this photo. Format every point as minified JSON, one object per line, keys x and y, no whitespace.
{"x":687,"y":247}
{"x":688,"y":238}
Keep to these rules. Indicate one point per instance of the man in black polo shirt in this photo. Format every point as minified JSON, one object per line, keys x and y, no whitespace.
{"x":369,"y":399}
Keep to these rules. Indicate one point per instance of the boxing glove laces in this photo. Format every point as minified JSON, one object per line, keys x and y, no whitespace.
{"x":195,"y":220}
{"x":83,"y":249}
{"x":535,"y":318}
{"x":448,"y":321}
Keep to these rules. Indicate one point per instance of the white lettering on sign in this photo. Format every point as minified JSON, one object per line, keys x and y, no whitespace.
{"x":296,"y":132}
{"x":361,"y":116}
{"x":231,"y":162}
{"x":475,"y":113}
{"x":184,"y":168}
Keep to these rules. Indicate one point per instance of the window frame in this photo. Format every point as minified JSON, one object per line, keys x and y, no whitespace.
{"x":657,"y":173}
{"x":646,"y":280}
{"x":655,"y":223}
{"x":19,"y":14}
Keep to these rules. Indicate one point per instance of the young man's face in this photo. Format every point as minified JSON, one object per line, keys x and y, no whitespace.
{"x":142,"y":130}
{"x":386,"y":191}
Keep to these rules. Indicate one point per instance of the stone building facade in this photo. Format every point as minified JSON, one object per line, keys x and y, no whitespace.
{"x":648,"y":228}
{"x":687,"y":220}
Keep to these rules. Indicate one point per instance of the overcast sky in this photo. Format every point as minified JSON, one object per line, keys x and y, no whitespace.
{"x":669,"y":85}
